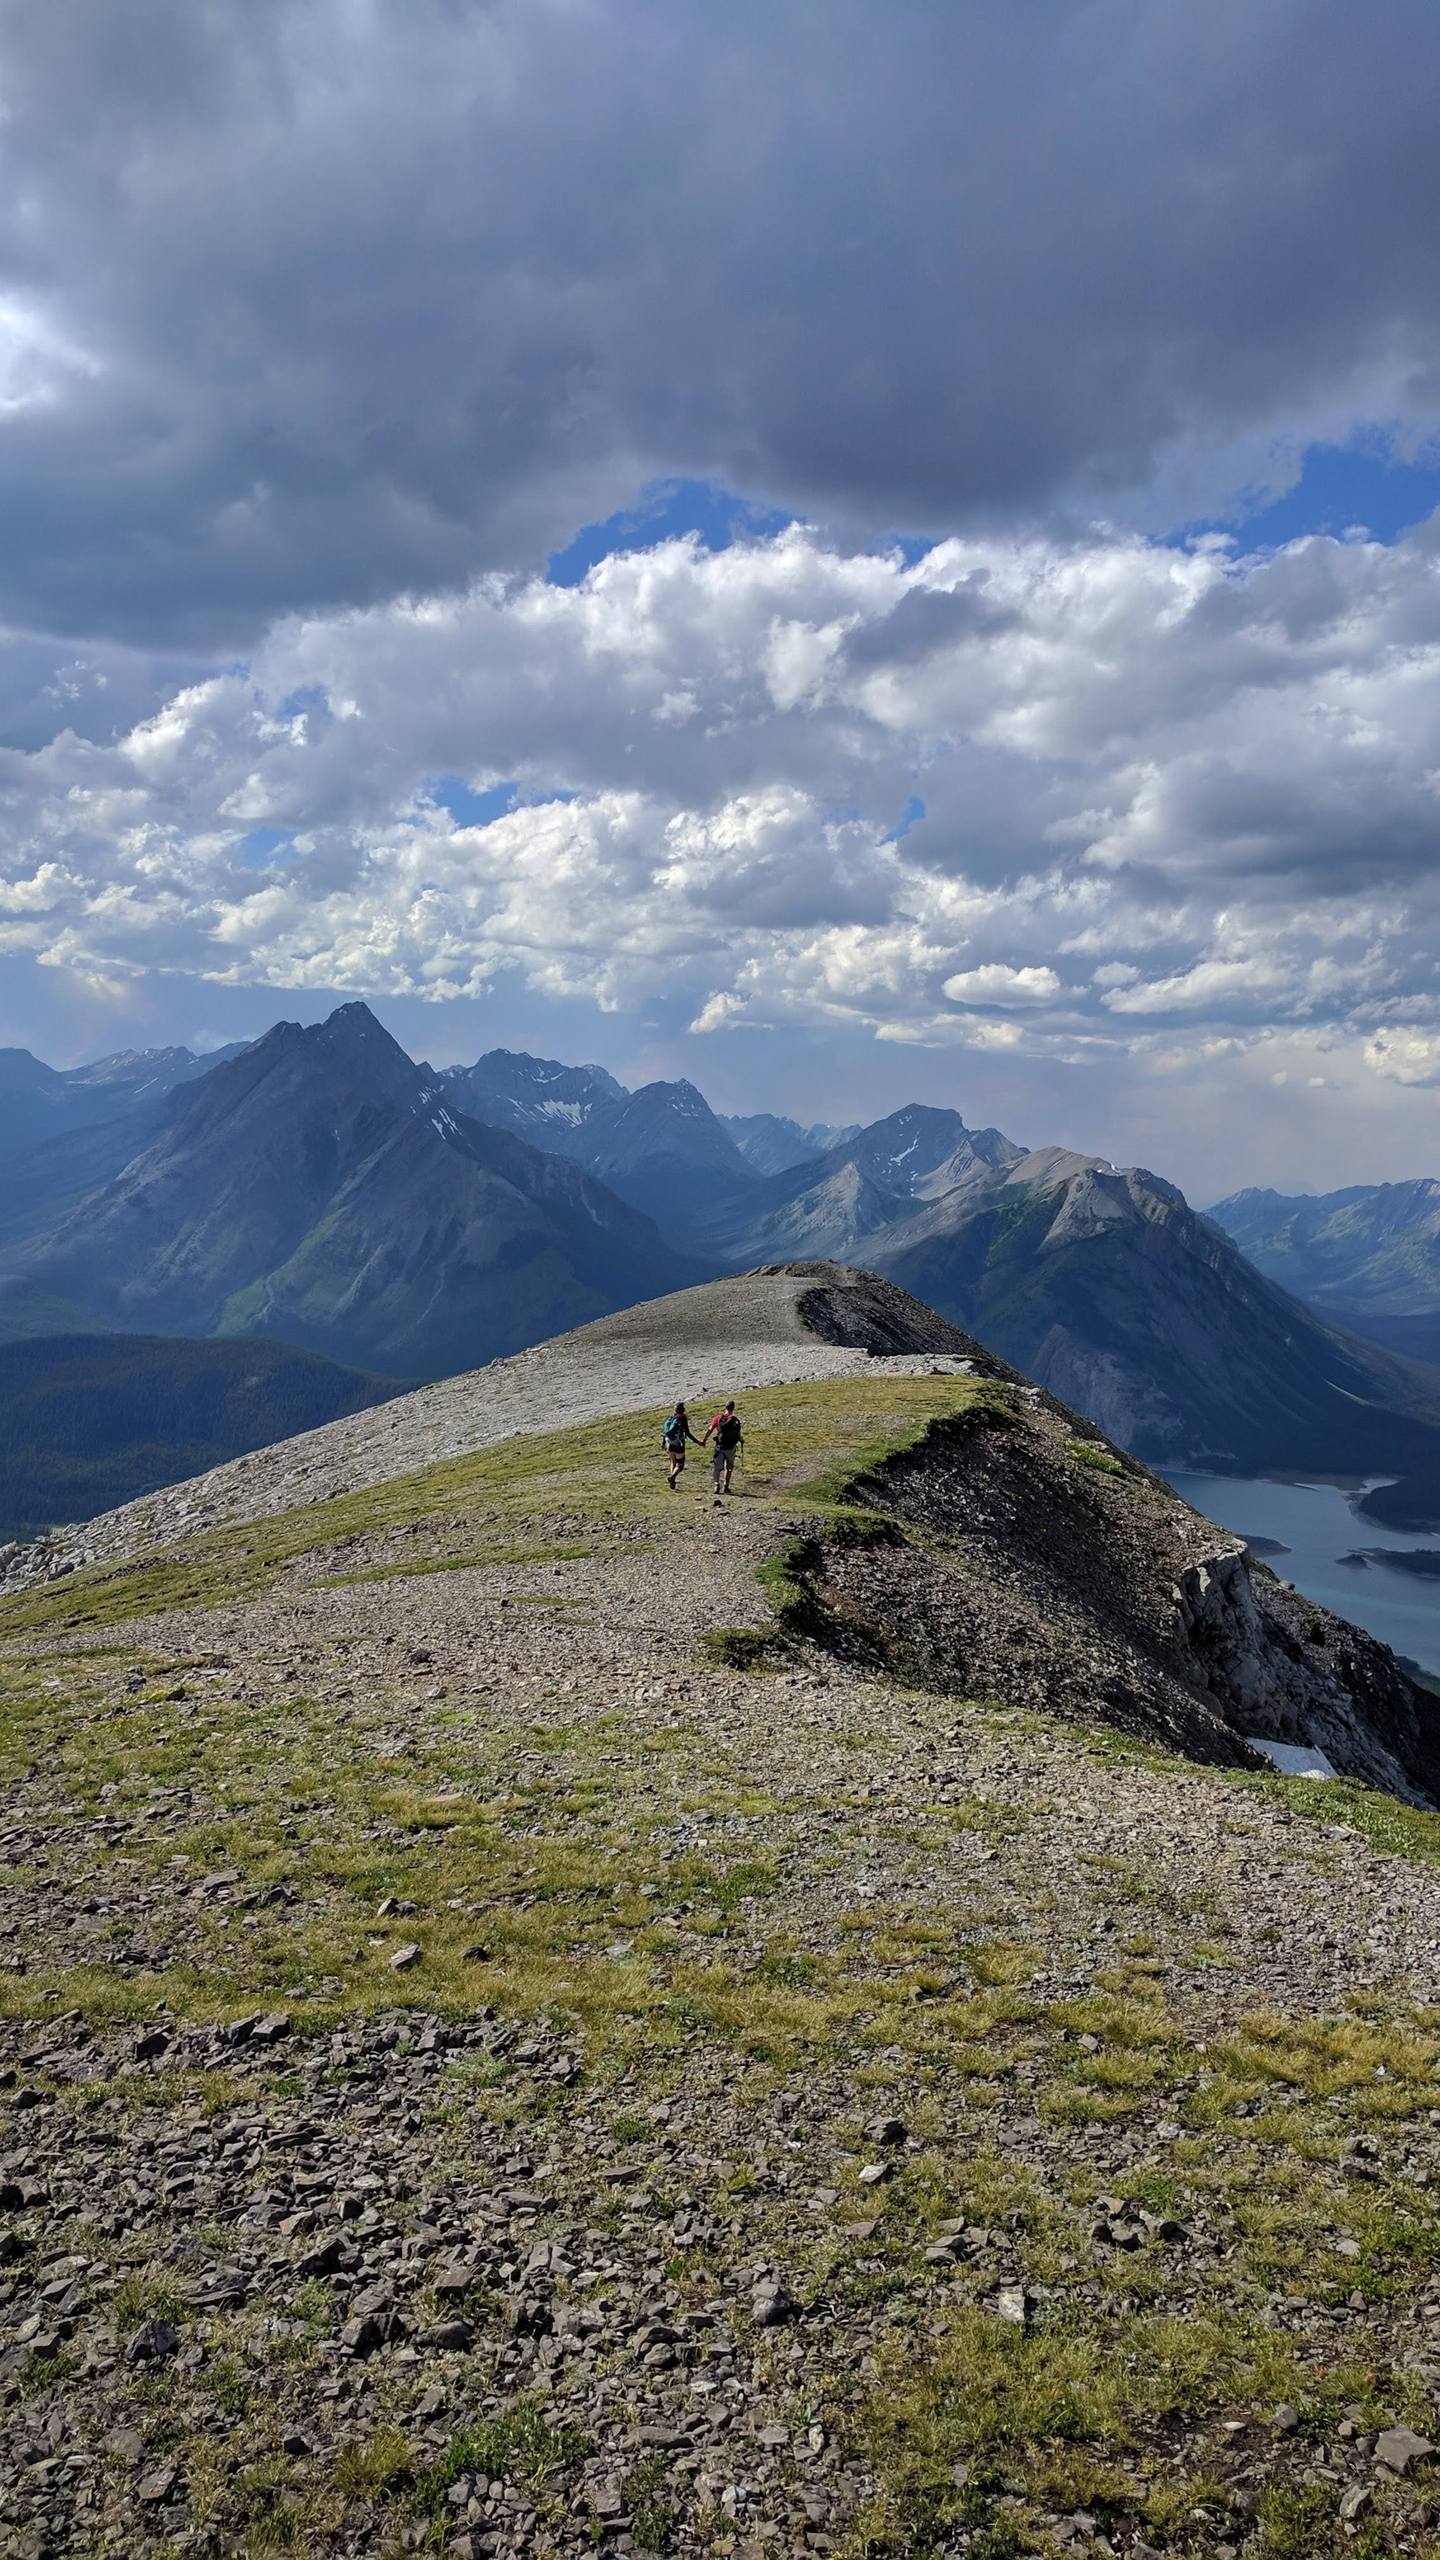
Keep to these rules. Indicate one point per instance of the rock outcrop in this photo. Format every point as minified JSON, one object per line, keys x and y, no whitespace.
{"x":1038,"y":1565}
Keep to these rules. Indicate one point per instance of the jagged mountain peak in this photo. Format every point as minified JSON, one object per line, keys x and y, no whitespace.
{"x":349,"y":1051}
{"x":520,"y":1067}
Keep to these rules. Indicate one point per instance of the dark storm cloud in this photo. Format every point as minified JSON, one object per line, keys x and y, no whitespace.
{"x":308,"y":302}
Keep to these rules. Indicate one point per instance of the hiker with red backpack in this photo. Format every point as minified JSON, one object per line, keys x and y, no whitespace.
{"x":729,"y":1440}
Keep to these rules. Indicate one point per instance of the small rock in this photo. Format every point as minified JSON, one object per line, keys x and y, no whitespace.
{"x":1015,"y":2304}
{"x":888,"y":2132}
{"x":1355,"y":2501}
{"x":771,"y":2305}
{"x":404,"y":1958}
{"x":1399,"y":2447}
{"x":456,"y":2277}
{"x":323,"y":2259}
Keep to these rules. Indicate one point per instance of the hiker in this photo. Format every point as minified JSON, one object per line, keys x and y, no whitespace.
{"x":729,"y":1440}
{"x":673,"y":1438}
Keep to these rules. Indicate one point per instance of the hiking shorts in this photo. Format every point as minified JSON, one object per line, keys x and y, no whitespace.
{"x":720,"y":1459}
{"x":675,"y":1457}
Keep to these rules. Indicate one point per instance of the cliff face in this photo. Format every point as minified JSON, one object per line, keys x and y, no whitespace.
{"x":1036,"y":1565}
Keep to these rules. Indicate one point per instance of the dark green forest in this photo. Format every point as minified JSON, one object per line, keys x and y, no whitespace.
{"x":90,"y":1420}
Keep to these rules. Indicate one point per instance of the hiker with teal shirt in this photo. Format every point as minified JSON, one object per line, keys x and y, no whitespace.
{"x":673,"y":1438}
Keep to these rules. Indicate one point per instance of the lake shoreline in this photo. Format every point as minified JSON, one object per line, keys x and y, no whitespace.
{"x":1302,"y":1526}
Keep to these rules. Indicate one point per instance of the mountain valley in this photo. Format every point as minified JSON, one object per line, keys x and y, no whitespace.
{"x":91,"y":1421}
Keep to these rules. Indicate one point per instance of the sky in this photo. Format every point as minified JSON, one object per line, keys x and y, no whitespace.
{"x":848,"y":554}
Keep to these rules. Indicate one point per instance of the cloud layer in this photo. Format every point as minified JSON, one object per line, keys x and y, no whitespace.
{"x":304,"y":303}
{"x":1064,"y":799}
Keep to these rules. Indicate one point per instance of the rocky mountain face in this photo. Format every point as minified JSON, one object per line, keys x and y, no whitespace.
{"x":39,"y":1104}
{"x":1369,"y":1256}
{"x":845,"y":1202}
{"x":318,"y":1189}
{"x":1038,"y":1564}
{"x":551,"y":1105}
{"x":1104,"y":1285}
{"x":1107,"y":1286}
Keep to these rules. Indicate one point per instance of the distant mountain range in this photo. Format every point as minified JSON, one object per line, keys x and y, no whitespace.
{"x":92,"y":1421}
{"x":657,"y":1146}
{"x":772,"y":1144}
{"x":662,"y":1148}
{"x":1368,"y":1257}
{"x":321,"y":1189}
{"x":39,"y":1104}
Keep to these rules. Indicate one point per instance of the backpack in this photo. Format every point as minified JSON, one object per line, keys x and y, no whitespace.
{"x":673,"y":1435}
{"x":727,"y":1432}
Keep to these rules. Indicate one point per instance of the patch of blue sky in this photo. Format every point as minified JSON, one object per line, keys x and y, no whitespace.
{"x":259,"y":847}
{"x":910,"y":816}
{"x":1365,"y":483}
{"x":311,"y":698}
{"x":664,"y":510}
{"x":471,"y":808}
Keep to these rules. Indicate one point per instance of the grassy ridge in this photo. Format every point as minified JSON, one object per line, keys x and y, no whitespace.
{"x":540,"y":1847}
{"x":806,"y":1445}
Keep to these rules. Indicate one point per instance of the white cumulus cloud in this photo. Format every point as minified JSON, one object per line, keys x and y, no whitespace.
{"x":1207,"y":779}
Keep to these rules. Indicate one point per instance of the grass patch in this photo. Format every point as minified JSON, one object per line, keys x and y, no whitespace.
{"x":1088,"y":1453}
{"x":1401,"y":1830}
{"x":376,"y":2466}
{"x":986,"y":2389}
{"x":520,"y":2444}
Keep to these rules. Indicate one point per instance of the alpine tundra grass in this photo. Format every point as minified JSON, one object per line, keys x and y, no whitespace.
{"x":521,"y":2034}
